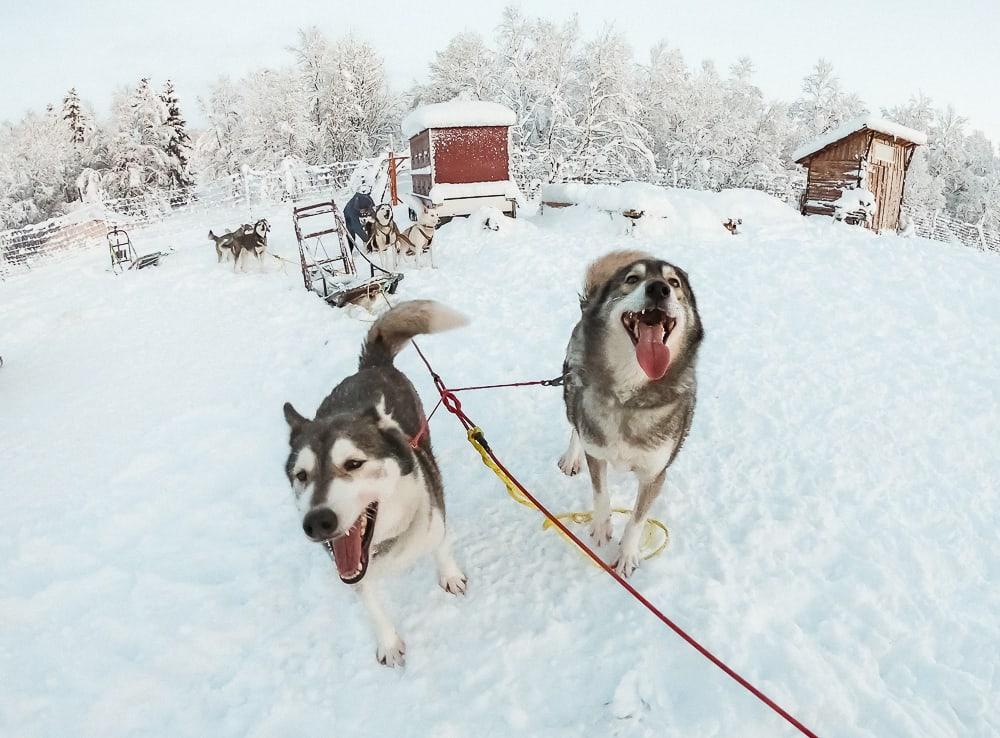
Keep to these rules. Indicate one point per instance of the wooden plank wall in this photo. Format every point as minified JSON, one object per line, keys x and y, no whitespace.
{"x":831,"y":171}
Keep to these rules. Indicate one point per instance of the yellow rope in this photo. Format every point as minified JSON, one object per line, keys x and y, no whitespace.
{"x":655,"y":535}
{"x":653,"y":531}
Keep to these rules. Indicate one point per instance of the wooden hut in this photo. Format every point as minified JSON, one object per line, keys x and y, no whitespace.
{"x":460,"y":156}
{"x":865,"y":154}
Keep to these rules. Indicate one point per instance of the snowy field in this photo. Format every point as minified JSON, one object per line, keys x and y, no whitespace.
{"x":833,"y":515}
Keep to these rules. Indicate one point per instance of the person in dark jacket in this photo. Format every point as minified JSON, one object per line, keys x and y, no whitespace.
{"x":358,"y":215}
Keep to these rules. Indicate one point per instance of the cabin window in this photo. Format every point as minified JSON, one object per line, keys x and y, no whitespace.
{"x":883,"y":152}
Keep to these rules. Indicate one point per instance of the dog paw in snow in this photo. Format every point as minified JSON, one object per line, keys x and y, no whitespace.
{"x":455,"y":584}
{"x":570,"y":464}
{"x":601,"y":531}
{"x":392,"y":653}
{"x":626,"y":564}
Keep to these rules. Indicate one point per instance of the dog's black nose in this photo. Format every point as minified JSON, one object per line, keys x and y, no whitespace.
{"x":320,"y":524}
{"x":657,"y":290}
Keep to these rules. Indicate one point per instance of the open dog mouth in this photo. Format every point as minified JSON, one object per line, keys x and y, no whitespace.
{"x":350,"y":550}
{"x":649,"y":330}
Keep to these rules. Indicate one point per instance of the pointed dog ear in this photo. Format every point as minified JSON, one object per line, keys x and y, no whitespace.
{"x":293,"y":418}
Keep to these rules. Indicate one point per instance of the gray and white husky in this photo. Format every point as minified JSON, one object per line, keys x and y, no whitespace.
{"x":247,"y":239}
{"x":630,"y":383}
{"x":376,"y":502}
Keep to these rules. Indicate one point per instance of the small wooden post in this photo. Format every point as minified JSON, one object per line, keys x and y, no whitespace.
{"x":393,"y":191}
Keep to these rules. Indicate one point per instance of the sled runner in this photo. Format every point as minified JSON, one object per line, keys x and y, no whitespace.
{"x":335,"y":277}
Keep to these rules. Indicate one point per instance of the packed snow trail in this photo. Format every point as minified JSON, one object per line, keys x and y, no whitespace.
{"x":833,"y":514}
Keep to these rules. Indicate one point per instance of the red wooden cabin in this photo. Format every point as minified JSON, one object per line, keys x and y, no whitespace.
{"x":460,"y":156}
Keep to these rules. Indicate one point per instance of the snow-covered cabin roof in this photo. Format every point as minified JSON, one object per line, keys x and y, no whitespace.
{"x":872,"y":123}
{"x":457,"y":113}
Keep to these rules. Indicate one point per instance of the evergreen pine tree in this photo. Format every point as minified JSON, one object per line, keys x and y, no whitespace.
{"x":138,"y":163}
{"x":178,"y":145}
{"x":75,"y":117}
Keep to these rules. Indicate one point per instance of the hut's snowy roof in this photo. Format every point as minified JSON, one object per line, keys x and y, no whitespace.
{"x":872,"y":123}
{"x":457,"y":113}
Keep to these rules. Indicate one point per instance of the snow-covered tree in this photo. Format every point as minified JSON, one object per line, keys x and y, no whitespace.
{"x":824,"y":105}
{"x":608,"y":111}
{"x":665,"y":81}
{"x":35,"y":168}
{"x":991,"y":202}
{"x":219,"y":151}
{"x":178,"y":143}
{"x":922,"y":191}
{"x":537,"y":77}
{"x":77,"y":120}
{"x":258,"y":121}
{"x":368,"y":113}
{"x":710,"y":131}
{"x":139,"y":164}
{"x":466,"y":66}
{"x":312,"y":63}
{"x":348,"y":110}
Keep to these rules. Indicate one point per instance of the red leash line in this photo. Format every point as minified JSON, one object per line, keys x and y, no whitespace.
{"x":424,"y":426}
{"x":453,"y":406}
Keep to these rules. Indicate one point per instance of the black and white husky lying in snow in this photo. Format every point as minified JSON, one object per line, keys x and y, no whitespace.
{"x":363,"y":490}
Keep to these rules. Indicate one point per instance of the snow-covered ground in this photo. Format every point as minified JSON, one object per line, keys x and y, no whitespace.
{"x":833,"y":515}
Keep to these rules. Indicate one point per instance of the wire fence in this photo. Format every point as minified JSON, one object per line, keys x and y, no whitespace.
{"x":56,"y":239}
{"x":940,"y":226}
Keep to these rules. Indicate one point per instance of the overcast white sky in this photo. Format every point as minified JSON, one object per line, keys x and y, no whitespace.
{"x":883,"y":49}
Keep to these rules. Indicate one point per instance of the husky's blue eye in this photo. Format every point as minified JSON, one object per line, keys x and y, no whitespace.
{"x":353,"y":464}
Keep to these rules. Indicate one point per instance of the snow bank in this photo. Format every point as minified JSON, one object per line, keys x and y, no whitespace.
{"x":874,"y":123}
{"x":486,"y":227}
{"x":689,"y":212}
{"x":649,"y":198}
{"x":457,"y":113}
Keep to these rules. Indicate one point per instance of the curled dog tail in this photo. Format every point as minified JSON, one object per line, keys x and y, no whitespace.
{"x":390,"y":333}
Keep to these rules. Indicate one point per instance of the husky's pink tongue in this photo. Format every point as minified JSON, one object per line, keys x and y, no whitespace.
{"x":651,"y":352}
{"x":347,"y":551}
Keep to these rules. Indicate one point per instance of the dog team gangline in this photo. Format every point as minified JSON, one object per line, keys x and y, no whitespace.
{"x":449,"y":400}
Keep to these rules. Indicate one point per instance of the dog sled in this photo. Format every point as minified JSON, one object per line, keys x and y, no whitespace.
{"x":335,"y":277}
{"x":123,"y":254}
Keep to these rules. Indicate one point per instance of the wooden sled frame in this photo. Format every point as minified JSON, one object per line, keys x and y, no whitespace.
{"x":320,"y":270}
